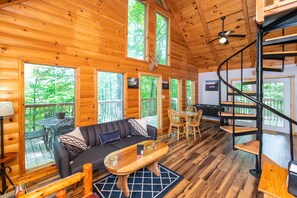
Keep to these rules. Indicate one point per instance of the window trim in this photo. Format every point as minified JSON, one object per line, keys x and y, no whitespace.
{"x":145,"y":39}
{"x":166,"y":15}
{"x":159,"y":97}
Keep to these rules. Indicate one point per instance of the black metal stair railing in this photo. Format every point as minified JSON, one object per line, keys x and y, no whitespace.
{"x":259,"y":104}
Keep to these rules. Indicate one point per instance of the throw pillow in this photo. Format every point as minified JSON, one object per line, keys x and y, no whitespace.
{"x":74,"y":143}
{"x":108,"y":137}
{"x":138,"y":127}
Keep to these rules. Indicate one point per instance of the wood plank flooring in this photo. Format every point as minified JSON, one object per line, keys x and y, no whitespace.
{"x":209,"y":165}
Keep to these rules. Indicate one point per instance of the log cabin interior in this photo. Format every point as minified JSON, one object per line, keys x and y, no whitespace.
{"x":148,"y":98}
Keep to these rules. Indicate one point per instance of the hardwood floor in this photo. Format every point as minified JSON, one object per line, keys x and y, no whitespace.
{"x":209,"y":165}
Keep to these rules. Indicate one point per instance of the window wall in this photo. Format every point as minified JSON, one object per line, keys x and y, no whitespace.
{"x":49,"y":108}
{"x":162,"y":29}
{"x":136,"y":29}
{"x":110,"y":96}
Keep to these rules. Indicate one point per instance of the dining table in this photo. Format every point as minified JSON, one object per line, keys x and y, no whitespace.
{"x":187,"y":115}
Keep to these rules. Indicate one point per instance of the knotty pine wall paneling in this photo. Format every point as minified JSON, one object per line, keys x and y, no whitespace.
{"x":89,"y":36}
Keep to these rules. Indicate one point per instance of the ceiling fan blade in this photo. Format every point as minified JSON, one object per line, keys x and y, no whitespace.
{"x":212,"y":40}
{"x":227,"y":33}
{"x":237,"y":35}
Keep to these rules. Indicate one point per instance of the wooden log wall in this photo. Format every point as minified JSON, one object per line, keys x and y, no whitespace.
{"x":88,"y":35}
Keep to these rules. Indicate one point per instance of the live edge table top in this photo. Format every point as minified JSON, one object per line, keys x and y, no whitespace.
{"x":126,"y":160}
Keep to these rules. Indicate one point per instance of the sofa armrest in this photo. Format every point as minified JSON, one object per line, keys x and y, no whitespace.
{"x":62,"y":159}
{"x":152,"y":132}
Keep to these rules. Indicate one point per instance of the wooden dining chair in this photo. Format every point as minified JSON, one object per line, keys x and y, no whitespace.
{"x":175,"y":123}
{"x":191,"y":109}
{"x":195,"y":124}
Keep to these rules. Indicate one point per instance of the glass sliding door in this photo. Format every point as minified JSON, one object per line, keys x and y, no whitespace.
{"x":150,"y":99}
{"x":49,"y":108}
{"x":190,"y":92}
{"x":110,"y":96}
{"x":174,"y":94}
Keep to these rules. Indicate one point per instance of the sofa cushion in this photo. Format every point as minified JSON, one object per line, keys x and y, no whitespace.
{"x":74,"y":143}
{"x":109,"y":137}
{"x":94,"y":155}
{"x":128,"y":141}
{"x":138,"y":127}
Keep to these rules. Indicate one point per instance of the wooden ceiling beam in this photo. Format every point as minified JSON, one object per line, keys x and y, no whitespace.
{"x":207,"y":31}
{"x":248,"y":30}
{"x":173,"y":16}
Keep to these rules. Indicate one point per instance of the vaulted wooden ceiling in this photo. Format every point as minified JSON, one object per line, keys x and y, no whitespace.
{"x":200,"y":21}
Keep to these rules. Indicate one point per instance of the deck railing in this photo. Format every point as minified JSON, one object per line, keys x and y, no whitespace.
{"x":174,"y":104}
{"x":110,"y":110}
{"x":34,"y":112}
{"x":270,"y":118}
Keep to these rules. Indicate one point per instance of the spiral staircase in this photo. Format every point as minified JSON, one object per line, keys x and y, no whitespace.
{"x":228,"y":105}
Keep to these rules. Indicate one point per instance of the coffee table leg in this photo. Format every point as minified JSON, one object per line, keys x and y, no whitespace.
{"x":153,"y":167}
{"x":123,"y":184}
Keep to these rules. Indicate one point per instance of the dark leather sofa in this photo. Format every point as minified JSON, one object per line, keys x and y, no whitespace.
{"x":97,"y":152}
{"x":208,"y":110}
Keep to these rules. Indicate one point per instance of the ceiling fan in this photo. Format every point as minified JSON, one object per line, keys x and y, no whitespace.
{"x":223,"y":35}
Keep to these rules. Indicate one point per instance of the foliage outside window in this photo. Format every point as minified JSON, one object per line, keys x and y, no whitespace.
{"x":174,"y":90}
{"x":190,"y":94}
{"x":162,"y":39}
{"x":48,"y":90}
{"x":136,"y":29}
{"x":149,"y":102}
{"x":110,"y":96}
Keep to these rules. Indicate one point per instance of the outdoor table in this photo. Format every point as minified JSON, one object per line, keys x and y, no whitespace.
{"x":186,"y":115}
{"x":50,"y":123}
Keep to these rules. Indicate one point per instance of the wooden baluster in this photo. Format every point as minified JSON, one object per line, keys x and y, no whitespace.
{"x":87,"y":180}
{"x":260,"y":11}
{"x":61,"y":194}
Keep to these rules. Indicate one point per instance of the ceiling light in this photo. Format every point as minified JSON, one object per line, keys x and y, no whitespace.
{"x":223,"y":40}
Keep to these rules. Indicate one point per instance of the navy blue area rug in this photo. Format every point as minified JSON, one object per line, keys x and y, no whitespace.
{"x":143,"y":183}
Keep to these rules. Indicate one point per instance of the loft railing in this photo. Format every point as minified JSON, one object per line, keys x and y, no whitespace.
{"x":34,"y":112}
{"x":270,"y":7}
{"x":110,"y":110}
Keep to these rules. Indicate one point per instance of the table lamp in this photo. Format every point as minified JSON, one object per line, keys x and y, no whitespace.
{"x":6,"y":109}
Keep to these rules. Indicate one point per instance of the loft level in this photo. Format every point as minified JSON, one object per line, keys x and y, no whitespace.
{"x":265,"y":8}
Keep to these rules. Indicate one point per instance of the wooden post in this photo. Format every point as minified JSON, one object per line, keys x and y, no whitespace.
{"x":87,"y":180}
{"x":61,"y":194}
{"x":260,"y":4}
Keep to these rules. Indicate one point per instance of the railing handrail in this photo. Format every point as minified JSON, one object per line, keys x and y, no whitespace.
{"x":49,"y":104}
{"x":245,"y":95}
{"x":109,"y":101}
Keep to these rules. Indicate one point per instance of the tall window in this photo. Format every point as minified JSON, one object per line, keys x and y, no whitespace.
{"x":162,"y":39}
{"x":190,"y":92}
{"x":110,"y":96}
{"x":136,"y":29}
{"x":174,"y":94}
{"x":149,"y":99}
{"x":49,"y":109}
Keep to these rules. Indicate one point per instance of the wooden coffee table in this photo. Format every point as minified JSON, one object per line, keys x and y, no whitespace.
{"x":126,"y":161}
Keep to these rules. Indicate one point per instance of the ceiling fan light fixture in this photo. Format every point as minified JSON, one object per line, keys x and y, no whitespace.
{"x":223,"y":40}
